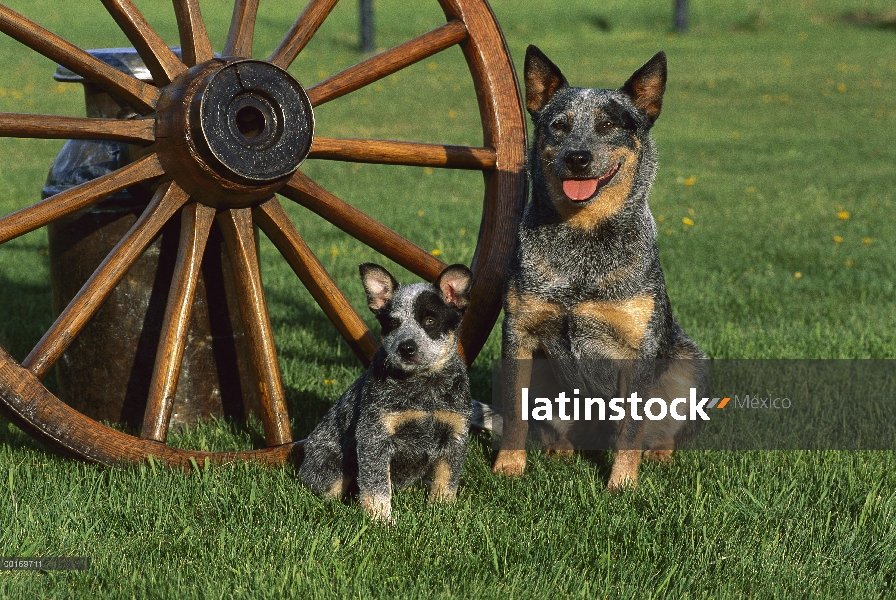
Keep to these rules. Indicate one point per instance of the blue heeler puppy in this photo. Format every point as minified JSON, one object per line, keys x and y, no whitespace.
{"x":408,"y":415}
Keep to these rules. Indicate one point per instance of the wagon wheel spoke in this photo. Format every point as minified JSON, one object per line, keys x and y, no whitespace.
{"x":81,"y":196}
{"x":387,"y":152}
{"x":242,"y":29}
{"x":134,"y":131}
{"x":141,"y":96}
{"x":239,"y":237}
{"x":365,"y":229}
{"x":195,"y":46}
{"x":301,"y":32}
{"x":167,"y":200}
{"x":196,"y":222}
{"x":275,"y":223}
{"x":162,"y":63}
{"x":379,"y":66}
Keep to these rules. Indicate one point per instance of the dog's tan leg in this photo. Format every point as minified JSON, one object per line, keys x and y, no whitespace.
{"x":625,"y":470}
{"x":627,"y":454}
{"x":511,"y":458}
{"x":440,"y":490}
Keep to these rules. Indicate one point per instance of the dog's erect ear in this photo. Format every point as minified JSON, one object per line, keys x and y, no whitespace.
{"x":454,"y":286}
{"x":646,"y":86}
{"x":378,"y":283}
{"x":542,"y":78}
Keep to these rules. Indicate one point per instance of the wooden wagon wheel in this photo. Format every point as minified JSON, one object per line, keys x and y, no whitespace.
{"x":216,"y":150}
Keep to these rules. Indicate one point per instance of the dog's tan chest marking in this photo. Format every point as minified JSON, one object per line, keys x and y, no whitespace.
{"x":627,"y":318}
{"x":530,"y":316}
{"x":392,"y":421}
{"x":455,"y":421}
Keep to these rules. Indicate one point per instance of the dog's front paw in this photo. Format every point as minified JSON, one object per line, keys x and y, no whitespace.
{"x":664,"y":457}
{"x":511,"y":463}
{"x":440,"y":493}
{"x":562,"y":448}
{"x":624,"y":474}
{"x":621,"y":483}
{"x":378,"y":508}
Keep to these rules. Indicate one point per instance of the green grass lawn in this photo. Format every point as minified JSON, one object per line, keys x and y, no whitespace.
{"x":775,"y":144}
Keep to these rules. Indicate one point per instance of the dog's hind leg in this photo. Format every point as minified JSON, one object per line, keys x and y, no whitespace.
{"x":322,"y":470}
{"x":676,"y":376}
{"x":562,"y":448}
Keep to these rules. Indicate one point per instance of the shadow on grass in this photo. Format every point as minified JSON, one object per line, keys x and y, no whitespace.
{"x":885,"y":21}
{"x":27,"y":314}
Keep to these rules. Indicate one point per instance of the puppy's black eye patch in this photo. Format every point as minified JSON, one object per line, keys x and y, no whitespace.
{"x":388,"y":323}
{"x":430,"y":322}
{"x":434,"y":316}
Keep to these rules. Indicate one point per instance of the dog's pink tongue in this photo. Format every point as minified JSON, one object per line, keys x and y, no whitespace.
{"x":579,"y":189}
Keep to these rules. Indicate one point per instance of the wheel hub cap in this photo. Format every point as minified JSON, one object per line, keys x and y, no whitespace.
{"x":253,"y":122}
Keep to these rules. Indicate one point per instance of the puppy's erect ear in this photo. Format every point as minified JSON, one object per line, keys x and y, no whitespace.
{"x":454,"y":286}
{"x":542,"y":78}
{"x":646,"y":86}
{"x":378,"y":283}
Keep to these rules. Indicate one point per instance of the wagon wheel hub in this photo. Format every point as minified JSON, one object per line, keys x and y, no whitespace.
{"x":242,"y":126}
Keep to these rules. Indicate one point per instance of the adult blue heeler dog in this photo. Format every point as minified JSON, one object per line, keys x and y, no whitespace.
{"x":586,"y":283}
{"x":408,"y":415}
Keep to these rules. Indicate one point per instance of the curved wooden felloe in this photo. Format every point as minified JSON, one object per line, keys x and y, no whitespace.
{"x":202,"y":194}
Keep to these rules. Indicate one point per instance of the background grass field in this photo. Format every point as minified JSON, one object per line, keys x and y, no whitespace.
{"x":775,"y":208}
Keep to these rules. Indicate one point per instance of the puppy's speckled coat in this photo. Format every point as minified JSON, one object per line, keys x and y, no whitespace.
{"x":408,"y":414}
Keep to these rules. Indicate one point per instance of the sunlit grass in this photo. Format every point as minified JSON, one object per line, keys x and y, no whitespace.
{"x":774,"y":204}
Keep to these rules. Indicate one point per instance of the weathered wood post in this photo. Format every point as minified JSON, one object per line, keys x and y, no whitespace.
{"x":366,"y":26}
{"x":680,"y":16}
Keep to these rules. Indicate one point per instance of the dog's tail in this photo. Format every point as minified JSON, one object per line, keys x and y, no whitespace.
{"x":487,"y":418}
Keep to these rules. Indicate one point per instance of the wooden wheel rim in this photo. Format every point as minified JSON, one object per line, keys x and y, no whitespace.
{"x":470,"y":23}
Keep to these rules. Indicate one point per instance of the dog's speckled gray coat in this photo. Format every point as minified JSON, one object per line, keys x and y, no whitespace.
{"x":578,"y":258}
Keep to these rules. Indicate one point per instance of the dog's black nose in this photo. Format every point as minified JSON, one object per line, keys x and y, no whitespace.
{"x":578,"y":160}
{"x":407,"y":348}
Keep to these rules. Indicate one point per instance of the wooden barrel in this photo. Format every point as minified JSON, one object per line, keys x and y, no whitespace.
{"x":105,"y":373}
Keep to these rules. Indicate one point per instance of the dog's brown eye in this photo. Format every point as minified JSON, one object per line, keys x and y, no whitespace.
{"x":394,"y":323}
{"x":429,"y":322}
{"x":560,"y":125}
{"x":605,"y":126}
